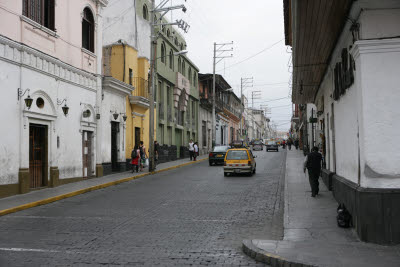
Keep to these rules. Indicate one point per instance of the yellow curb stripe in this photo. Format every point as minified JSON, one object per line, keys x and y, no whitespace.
{"x":89,"y":189}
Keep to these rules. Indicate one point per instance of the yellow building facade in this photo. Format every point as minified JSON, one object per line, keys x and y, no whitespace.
{"x":121,"y":61}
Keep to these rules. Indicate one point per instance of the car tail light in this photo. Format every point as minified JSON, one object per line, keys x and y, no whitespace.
{"x":249,"y":163}
{"x":210,"y":155}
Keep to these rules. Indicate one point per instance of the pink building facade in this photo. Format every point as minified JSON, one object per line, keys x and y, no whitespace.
{"x":50,"y":76}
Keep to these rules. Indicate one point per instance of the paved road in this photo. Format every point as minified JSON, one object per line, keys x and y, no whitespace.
{"x":189,"y":216}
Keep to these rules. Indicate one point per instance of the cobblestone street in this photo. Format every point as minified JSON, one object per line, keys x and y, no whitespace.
{"x":189,"y":216}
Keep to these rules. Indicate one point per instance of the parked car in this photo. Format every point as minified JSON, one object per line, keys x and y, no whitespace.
{"x":272,"y":145}
{"x":217,"y":156}
{"x":239,"y":160}
{"x":258,"y":145}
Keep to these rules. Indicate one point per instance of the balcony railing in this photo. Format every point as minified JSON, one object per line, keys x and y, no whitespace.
{"x":141,"y":87}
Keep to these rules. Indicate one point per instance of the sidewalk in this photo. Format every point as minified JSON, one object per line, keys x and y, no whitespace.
{"x":44,"y":196}
{"x":311,"y":235}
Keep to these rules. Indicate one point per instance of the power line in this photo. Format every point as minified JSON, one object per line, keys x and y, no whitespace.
{"x":250,"y":57}
{"x":271,"y":100}
{"x":281,"y":106}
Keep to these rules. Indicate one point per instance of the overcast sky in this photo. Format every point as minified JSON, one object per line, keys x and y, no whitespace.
{"x":254,"y":27}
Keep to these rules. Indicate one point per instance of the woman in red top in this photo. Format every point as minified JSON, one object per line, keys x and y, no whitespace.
{"x":135,"y":161}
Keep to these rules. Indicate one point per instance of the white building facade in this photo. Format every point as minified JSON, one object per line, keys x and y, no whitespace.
{"x":356,"y":111}
{"x":50,"y":70}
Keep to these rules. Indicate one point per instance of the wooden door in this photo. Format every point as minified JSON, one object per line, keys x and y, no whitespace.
{"x":114,"y":145}
{"x":137,"y":136}
{"x":37,"y":155}
{"x":87,"y":153}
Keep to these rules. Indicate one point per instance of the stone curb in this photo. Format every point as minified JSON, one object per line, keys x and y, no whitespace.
{"x":269,"y":258}
{"x":92,"y":188}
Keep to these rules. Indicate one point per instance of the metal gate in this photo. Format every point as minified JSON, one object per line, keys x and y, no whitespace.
{"x":87,"y":153}
{"x":37,"y":155}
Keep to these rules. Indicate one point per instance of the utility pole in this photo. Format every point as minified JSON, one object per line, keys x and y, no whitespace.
{"x":153,"y":53}
{"x":218,"y":48}
{"x":254,"y":95}
{"x":244,"y":83}
{"x":153,"y":57}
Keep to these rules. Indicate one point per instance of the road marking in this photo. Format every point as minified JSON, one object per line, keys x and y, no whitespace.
{"x":29,"y":250}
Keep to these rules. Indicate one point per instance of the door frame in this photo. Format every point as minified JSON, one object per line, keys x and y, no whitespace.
{"x":91,"y":155}
{"x":114,"y":165}
{"x":45,"y":175}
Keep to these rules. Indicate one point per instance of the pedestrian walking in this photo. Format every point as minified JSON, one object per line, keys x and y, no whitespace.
{"x":135,"y":155}
{"x":156,"y":148}
{"x":296,"y":143}
{"x":196,"y":150}
{"x":191,"y":149}
{"x":143,"y":155}
{"x":290,"y":144}
{"x":312,"y":163}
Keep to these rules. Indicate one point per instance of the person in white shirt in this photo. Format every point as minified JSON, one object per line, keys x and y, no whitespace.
{"x":191,"y":149}
{"x":196,"y":150}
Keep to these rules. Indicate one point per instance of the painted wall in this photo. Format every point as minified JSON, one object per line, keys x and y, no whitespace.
{"x":64,"y":44}
{"x":51,"y":80}
{"x":137,"y":116}
{"x":365,"y":117}
{"x":130,"y":26}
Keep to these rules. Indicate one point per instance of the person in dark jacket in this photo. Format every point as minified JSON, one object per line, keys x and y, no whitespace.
{"x":313,"y":164}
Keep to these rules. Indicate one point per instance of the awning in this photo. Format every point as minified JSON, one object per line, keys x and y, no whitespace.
{"x":312,"y":28}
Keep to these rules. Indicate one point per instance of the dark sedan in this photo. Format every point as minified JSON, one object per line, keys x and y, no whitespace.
{"x":271,"y":145}
{"x":217,"y":156}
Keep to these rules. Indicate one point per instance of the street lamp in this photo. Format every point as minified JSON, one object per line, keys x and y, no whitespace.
{"x":179,"y":53}
{"x":65,"y":108}
{"x":28,"y":101}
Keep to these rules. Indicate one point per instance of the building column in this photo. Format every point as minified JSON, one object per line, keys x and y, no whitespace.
{"x":99,"y":94}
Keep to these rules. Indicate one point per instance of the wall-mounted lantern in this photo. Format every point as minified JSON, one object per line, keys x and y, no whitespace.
{"x":115,"y":115}
{"x":28,"y":100}
{"x":65,"y":108}
{"x":124,"y":117}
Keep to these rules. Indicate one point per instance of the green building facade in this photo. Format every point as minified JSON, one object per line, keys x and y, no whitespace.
{"x":177,"y":96}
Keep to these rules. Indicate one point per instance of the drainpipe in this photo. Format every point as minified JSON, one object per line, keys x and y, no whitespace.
{"x":124,"y":54}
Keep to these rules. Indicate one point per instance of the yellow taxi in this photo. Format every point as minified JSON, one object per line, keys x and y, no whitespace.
{"x":239,"y":159}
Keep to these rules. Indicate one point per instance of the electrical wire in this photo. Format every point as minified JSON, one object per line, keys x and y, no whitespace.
{"x":250,"y":57}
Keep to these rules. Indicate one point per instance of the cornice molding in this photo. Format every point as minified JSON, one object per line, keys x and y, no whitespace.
{"x":104,"y":3}
{"x":115,"y":86}
{"x":22,"y":55}
{"x":375,"y":46}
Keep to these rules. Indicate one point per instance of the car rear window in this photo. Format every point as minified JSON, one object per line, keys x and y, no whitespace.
{"x":271,"y":143}
{"x":237,"y":155}
{"x":221,"y":148}
{"x":257,"y":142}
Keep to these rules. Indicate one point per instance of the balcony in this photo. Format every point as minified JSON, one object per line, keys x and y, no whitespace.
{"x":140,"y":95}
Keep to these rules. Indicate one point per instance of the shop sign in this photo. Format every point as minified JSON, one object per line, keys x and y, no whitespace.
{"x":344,"y":74}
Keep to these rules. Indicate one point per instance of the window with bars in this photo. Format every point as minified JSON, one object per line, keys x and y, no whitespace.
{"x":145,"y":12}
{"x":163,"y":52}
{"x":40,"y":11}
{"x":88,"y":30}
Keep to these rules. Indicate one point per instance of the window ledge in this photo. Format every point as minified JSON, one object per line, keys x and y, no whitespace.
{"x":84,"y":50}
{"x":39,"y":26}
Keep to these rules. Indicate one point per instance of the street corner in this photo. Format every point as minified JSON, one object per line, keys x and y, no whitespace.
{"x":268,"y":254}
